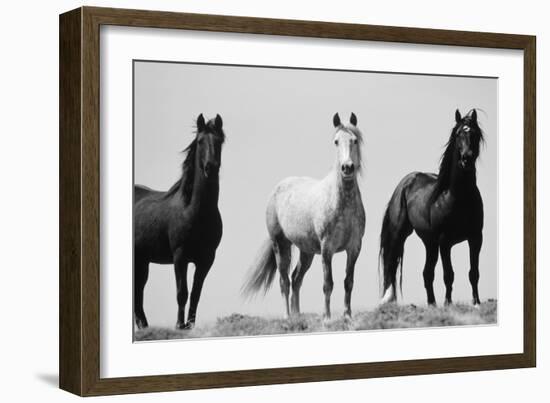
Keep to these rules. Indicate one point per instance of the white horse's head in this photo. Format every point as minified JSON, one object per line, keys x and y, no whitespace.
{"x":347,"y":140}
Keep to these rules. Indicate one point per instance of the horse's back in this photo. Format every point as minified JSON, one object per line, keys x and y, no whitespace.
{"x":428,"y":214}
{"x":412,"y":186}
{"x":293,"y":192}
{"x":141,"y":192}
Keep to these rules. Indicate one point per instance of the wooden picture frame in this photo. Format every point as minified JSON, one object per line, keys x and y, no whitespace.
{"x":79,"y":347}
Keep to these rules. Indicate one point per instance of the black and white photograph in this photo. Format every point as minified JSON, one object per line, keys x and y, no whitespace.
{"x":273,"y":200}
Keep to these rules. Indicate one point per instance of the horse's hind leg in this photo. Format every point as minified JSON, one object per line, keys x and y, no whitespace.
{"x":475,"y":248}
{"x":303,"y":265}
{"x":141,"y":273}
{"x":281,"y":247}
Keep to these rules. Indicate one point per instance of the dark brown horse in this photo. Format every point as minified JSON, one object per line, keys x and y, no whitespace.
{"x":182,"y":225}
{"x":442,"y":209}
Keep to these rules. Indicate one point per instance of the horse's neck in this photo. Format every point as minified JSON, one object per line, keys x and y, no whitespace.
{"x":205,"y":192}
{"x":344,"y":192}
{"x":462,"y":182}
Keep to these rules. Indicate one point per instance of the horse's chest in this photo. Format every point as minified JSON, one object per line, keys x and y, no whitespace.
{"x":341,"y":233}
{"x":458,"y":219}
{"x":202,"y":233}
{"x":342,"y":227}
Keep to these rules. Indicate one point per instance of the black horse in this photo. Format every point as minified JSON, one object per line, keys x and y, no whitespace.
{"x":443,"y":209}
{"x":182,"y":225}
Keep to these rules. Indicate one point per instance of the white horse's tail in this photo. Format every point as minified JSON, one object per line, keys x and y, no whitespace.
{"x":262,"y":271}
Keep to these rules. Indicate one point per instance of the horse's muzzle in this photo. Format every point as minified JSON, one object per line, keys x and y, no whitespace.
{"x":211,"y":169}
{"x":348,"y":169}
{"x":466,"y":162}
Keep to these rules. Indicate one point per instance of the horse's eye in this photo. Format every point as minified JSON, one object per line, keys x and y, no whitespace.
{"x":335,"y":142}
{"x":354,"y":141}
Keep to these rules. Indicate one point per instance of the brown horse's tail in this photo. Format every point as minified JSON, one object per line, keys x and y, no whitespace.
{"x":395,"y":230}
{"x":262,"y":271}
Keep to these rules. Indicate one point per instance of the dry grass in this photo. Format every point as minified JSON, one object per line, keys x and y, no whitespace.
{"x":389,"y":316}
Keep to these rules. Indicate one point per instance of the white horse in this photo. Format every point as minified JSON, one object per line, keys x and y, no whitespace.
{"x":318,"y":217}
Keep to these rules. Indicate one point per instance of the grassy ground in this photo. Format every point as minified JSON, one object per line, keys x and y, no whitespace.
{"x":388,"y":316}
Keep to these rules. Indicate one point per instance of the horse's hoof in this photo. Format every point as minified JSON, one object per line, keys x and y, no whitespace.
{"x":387,"y":299}
{"x":142,"y":324}
{"x":185,"y":325}
{"x":448,"y":303}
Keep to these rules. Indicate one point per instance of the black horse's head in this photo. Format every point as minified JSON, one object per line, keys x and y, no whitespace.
{"x":461,"y":152}
{"x":209,"y":140}
{"x":466,"y":139}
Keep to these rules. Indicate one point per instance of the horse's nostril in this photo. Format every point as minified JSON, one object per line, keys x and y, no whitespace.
{"x":348,"y":168}
{"x":211,"y":168}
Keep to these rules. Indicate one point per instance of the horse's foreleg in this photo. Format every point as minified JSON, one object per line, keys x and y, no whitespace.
{"x":141,"y":273}
{"x":180,"y":268}
{"x":281,"y":248}
{"x":202,"y":269}
{"x":448,"y":273}
{"x":352,"y":255}
{"x":475,"y":247}
{"x":303,"y":265}
{"x":328,"y":284}
{"x":429,"y":269}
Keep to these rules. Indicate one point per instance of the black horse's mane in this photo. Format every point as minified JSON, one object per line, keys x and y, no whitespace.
{"x":446,"y":166}
{"x":186,"y":182}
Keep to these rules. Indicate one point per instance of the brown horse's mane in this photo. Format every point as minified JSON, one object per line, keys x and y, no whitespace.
{"x":446,"y":165}
{"x":186,"y":182}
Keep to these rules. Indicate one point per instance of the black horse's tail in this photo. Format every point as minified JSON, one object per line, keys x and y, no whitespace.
{"x":262,"y":270}
{"x":395,"y":230}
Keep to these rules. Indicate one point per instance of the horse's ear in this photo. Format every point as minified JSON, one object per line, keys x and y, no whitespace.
{"x":218,"y":122}
{"x":473,"y":115}
{"x":353,"y":119}
{"x":458,"y":117}
{"x":201,"y":125}
{"x":336,"y":120}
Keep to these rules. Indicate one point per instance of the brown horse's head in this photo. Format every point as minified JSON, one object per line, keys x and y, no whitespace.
{"x":466,"y":137}
{"x":209,"y":140}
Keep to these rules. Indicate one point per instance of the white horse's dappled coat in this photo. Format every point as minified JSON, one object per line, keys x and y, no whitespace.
{"x":318,"y":217}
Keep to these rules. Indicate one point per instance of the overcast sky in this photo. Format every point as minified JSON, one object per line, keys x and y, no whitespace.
{"x":278,"y":123}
